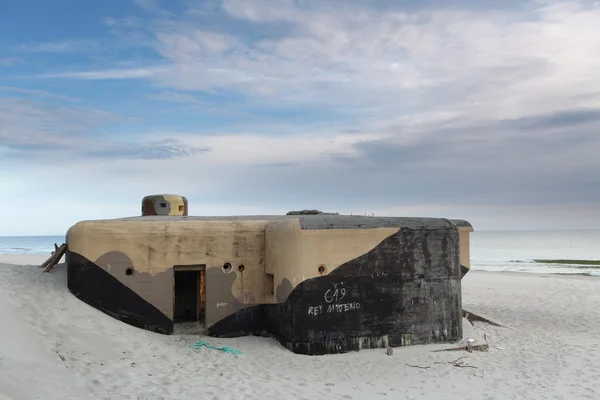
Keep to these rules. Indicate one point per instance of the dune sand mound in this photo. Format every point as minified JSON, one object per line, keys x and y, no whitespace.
{"x":56,"y":347}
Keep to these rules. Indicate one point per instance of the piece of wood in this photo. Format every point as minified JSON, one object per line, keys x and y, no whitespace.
{"x":45,"y":263}
{"x":60,"y":251}
{"x":417,"y":366}
{"x":474,"y":317}
{"x":199,"y":299}
{"x":458,"y":363}
{"x":52,"y":260}
{"x":202,"y":292}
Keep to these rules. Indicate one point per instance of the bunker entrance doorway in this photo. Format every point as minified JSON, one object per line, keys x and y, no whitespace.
{"x":189,"y":298}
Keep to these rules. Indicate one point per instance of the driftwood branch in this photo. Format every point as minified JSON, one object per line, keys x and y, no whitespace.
{"x":457,"y":363}
{"x":417,"y":366}
{"x":45,"y":263}
{"x":55,"y":258}
{"x":461,"y":364}
{"x":471,"y":317}
{"x":450,"y":362}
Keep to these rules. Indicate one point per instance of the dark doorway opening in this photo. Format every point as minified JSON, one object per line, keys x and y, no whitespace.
{"x":189,"y":284}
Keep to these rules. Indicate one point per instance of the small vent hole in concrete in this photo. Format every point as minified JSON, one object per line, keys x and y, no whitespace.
{"x":226,"y":267}
{"x":322,"y":269}
{"x":241,"y":267}
{"x":129,"y":271}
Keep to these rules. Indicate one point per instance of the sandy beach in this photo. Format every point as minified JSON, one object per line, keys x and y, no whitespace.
{"x":54,"y":346}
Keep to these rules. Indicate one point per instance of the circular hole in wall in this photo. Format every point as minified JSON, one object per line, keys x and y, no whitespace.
{"x":322,"y":269}
{"x":227,"y":267}
{"x":241,"y":267}
{"x":129,"y":271}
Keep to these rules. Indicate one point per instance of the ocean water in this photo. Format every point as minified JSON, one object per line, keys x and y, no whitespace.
{"x":29,"y":244}
{"x":562,"y":252}
{"x":558,"y":252}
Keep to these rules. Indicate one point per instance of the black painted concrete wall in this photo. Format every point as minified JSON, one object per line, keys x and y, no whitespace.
{"x":405,"y":291}
{"x":96,"y":287}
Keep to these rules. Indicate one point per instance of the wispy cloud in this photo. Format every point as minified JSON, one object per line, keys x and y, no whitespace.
{"x":66,"y":46}
{"x":108,"y":74}
{"x":37,"y":93}
{"x":276,"y":165}
{"x":175,"y":97}
{"x":30,"y":126}
{"x":32,"y":129}
{"x":153,"y":150}
{"x":428,"y":107}
{"x":152,"y":6}
{"x":496,"y":63}
{"x":10,"y":61}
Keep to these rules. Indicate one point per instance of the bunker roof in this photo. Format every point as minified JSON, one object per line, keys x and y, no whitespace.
{"x":321,"y":221}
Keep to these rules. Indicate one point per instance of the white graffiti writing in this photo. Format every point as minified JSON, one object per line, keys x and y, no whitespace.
{"x":343,"y":307}
{"x":333,"y":308}
{"x":332,"y":297}
{"x":221,"y":304}
{"x":315,"y":310}
{"x":325,"y":338}
{"x":335,"y":293}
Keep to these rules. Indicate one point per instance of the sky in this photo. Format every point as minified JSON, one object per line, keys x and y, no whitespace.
{"x":483,"y":111}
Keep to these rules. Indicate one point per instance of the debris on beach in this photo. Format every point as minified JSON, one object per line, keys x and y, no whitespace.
{"x":55,"y":257}
{"x":201,"y":343}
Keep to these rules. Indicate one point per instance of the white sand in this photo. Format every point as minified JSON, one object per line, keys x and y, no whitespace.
{"x":53,"y":346}
{"x":34,"y":259}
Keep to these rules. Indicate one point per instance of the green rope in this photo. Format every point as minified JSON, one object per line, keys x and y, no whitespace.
{"x":202,"y":343}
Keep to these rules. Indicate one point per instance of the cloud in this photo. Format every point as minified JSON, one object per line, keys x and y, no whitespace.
{"x":29,"y":126}
{"x":10,"y":61}
{"x":65,"y":46}
{"x":175,"y":97}
{"x":156,"y":150}
{"x":476,"y":110}
{"x":147,"y":4}
{"x":276,"y":165}
{"x":497,"y":61}
{"x":109,"y":74}
{"x":486,"y":216}
{"x":63,"y":135}
{"x":37,"y":93}
{"x":504,"y":162}
{"x":152,"y":6}
{"x":562,"y":119}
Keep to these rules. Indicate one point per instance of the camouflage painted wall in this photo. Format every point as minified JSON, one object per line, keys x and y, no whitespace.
{"x":277,"y":253}
{"x":405,"y":291}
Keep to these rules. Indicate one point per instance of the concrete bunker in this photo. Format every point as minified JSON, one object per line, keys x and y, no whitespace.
{"x":317,"y":283}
